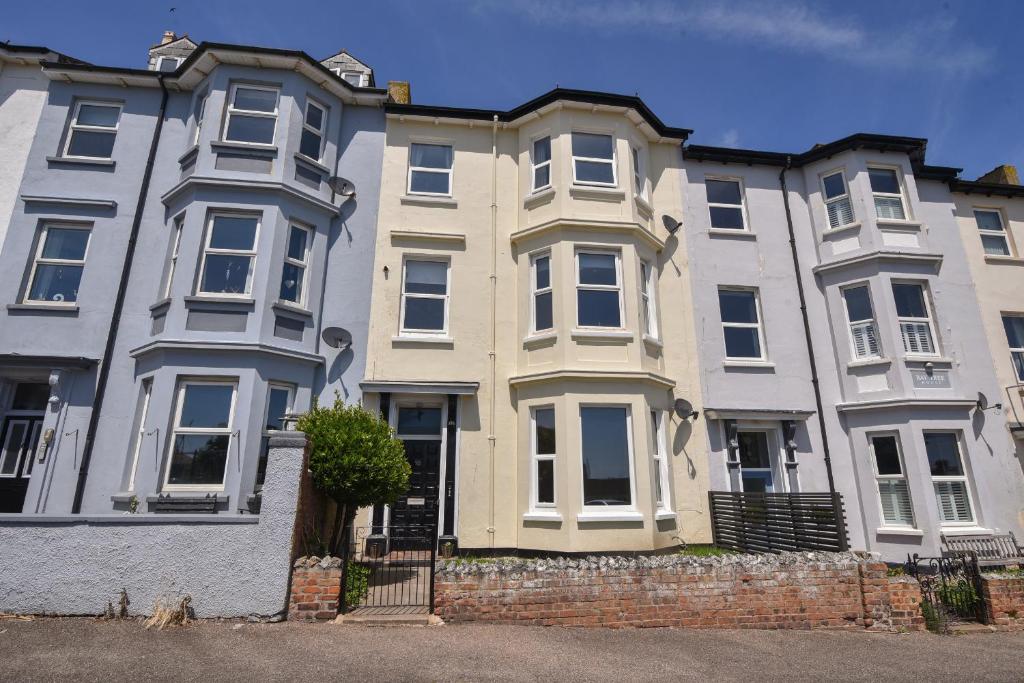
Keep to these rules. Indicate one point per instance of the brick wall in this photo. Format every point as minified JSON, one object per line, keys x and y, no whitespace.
{"x":793,"y":590}
{"x":1004,"y":600}
{"x":316,"y":586}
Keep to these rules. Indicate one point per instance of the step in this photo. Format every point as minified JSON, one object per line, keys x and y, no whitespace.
{"x":377,"y":619}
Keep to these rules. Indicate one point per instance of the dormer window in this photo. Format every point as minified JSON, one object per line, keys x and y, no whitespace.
{"x":354,"y":78}
{"x":167,"y":64}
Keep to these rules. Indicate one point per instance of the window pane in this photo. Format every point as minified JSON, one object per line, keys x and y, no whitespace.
{"x":858,"y":304}
{"x":432,"y":156}
{"x":753,"y":448}
{"x":309,"y":144}
{"x":226,"y":274}
{"x":737,"y":306}
{"x":541,"y":177}
{"x":30,"y":396}
{"x":943,"y":454}
{"x":233,"y":232}
{"x":198,"y":459}
{"x":251,"y":129}
{"x":988,"y":220}
{"x":723,"y":192}
{"x":541,"y":150}
{"x":726,"y":218}
{"x":887,"y":455}
{"x":909,"y":300}
{"x":291,"y":283}
{"x":544,"y":319}
{"x":742,"y":342}
{"x":643,"y":277}
{"x":96,"y":115}
{"x":597,"y":269}
{"x":429,"y":181}
{"x":352,"y":78}
{"x":277,"y":406}
{"x":66,"y":244}
{"x":598,"y":308}
{"x":545,"y":421}
{"x":55,"y":283}
{"x":1018,"y":364}
{"x":594,"y":172}
{"x":424,"y":314}
{"x":90,"y":143}
{"x":256,"y":100}
{"x":314,"y":116}
{"x":13,"y":442}
{"x":840,"y":212}
{"x":884,"y":180}
{"x":889,"y":208}
{"x":834,"y":185}
{"x":206,"y":406}
{"x":546,"y":481}
{"x":995,"y":244}
{"x":952,"y":500}
{"x":606,"y":477}
{"x":757,"y":482}
{"x":426,"y":277}
{"x":168,"y":64}
{"x":419,"y":421}
{"x":896,"y":506}
{"x":542,"y":266}
{"x":1014,"y":326}
{"x":591,"y":145}
{"x":297,"y":243}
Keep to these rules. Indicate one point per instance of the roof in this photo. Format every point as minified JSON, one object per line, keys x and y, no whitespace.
{"x":38,"y":53}
{"x":180,"y":38}
{"x":914,"y":147}
{"x":548,"y":98}
{"x":988,"y":189}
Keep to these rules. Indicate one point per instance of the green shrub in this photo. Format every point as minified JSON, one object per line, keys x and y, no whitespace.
{"x":357,"y":583}
{"x":932,"y":619}
{"x":704,"y":551}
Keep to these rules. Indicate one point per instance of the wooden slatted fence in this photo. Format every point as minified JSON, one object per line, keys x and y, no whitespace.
{"x":778,"y":522}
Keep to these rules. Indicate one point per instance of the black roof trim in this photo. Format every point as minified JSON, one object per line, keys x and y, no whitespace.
{"x":22,"y":361}
{"x":941,"y":173}
{"x":988,"y":189}
{"x":587,"y":96}
{"x":915,"y":147}
{"x":39,"y":49}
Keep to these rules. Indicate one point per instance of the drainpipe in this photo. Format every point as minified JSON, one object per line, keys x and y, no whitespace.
{"x":807,"y":326}
{"x":115,"y":318}
{"x":494,"y":316}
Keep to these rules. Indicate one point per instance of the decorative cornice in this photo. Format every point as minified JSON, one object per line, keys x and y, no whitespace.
{"x":229,"y":347}
{"x":880,"y":256}
{"x":592,"y":376}
{"x":249,"y":185}
{"x":885,"y":404}
{"x":620,"y":227}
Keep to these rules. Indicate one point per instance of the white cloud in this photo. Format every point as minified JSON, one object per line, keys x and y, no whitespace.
{"x":730,"y":138}
{"x":926,"y":44}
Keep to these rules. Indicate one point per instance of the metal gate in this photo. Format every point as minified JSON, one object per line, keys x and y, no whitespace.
{"x":389,"y":569}
{"x":950,"y":587}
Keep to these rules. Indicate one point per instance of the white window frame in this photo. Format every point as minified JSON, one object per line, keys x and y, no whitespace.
{"x":321,"y":132}
{"x":930,"y":320}
{"x":363,"y":78}
{"x":835,"y":200}
{"x":851,"y":325}
{"x":1015,"y":351}
{"x":38,"y":260}
{"x":534,"y":166}
{"x":267,"y":433}
{"x":776,"y":457}
{"x":659,"y":457}
{"x":759,"y":325}
{"x":140,"y":433}
{"x":178,"y":226}
{"x":177,"y":430}
{"x":609,"y":510}
{"x":231,"y":110}
{"x":536,"y":292}
{"x":535,"y":460}
{"x":428,"y":169}
{"x":742,"y":204}
{"x":207,"y":250}
{"x":613,"y":161}
{"x":965,"y":478}
{"x":301,"y":265}
{"x":649,"y":298}
{"x":880,"y":478}
{"x":406,"y":332}
{"x":639,"y":160}
{"x":902,"y":195}
{"x":1003,"y":234}
{"x":160,"y":61}
{"x":75,"y":126}
{"x":199,"y":116}
{"x":617,"y":287}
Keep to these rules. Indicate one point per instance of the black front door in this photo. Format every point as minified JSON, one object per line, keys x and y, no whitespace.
{"x":418,"y":507}
{"x":18,"y":441}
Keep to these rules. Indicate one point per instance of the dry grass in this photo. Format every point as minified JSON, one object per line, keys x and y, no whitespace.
{"x":171,"y":612}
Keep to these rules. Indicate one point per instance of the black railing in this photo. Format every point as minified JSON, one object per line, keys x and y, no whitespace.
{"x":389,"y":569}
{"x":951,"y":588}
{"x":778,"y":522}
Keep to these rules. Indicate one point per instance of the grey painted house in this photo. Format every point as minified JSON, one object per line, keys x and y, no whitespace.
{"x":174,"y":256}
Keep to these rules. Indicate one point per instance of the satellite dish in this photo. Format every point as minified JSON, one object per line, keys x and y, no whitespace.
{"x":337,"y":337}
{"x":671,"y":224}
{"x":982,"y":401}
{"x":684,"y":409}
{"x":342,"y":186}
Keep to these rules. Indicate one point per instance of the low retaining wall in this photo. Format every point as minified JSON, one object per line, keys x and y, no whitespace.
{"x":792,"y":590}
{"x":1004,"y":600}
{"x":231,"y":565}
{"x":316,"y":589}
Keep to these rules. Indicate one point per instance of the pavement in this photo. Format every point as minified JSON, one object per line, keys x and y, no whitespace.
{"x":90,"y":650}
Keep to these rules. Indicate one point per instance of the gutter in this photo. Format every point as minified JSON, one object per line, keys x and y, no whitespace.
{"x":807,"y":327}
{"x":115,"y":317}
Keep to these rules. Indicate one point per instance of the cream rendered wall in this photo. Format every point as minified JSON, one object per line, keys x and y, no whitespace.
{"x":22,"y":95}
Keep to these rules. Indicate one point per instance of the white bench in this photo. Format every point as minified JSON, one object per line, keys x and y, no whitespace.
{"x":993,"y":550}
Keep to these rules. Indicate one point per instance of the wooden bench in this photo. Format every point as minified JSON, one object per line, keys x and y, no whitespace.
{"x":994,"y":550}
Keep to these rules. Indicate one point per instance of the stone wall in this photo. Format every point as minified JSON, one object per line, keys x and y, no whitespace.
{"x":1004,"y":600}
{"x":792,"y":590}
{"x":316,"y":587}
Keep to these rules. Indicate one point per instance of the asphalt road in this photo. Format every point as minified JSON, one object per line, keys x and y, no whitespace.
{"x":88,"y":650}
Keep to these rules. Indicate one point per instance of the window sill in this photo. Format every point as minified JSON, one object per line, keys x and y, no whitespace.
{"x":239,"y":302}
{"x":737,"y":234}
{"x":643,"y":206}
{"x":428,"y":200}
{"x":161,"y":306}
{"x":540,"y":516}
{"x":841,"y":229}
{"x":664,"y":514}
{"x":1007,"y":260}
{"x":964,"y":530}
{"x":109,"y":163}
{"x":600,"y":193}
{"x":898,"y":225}
{"x":621,"y":336}
{"x":653,"y":341}
{"x":602,"y":516}
{"x":312,"y":162}
{"x":189,"y":155}
{"x":61,"y":309}
{"x":939,"y":360}
{"x":898,"y":531}
{"x":538,"y":197}
{"x":729,"y":363}
{"x":869,"y":362}
{"x":423,"y":339}
{"x":540,"y":339}
{"x":255,"y":148}
{"x":289,"y":307}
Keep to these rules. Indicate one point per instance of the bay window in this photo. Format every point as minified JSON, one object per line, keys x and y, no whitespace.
{"x":639,"y":173}
{"x":296,"y":258}
{"x":229,"y":255}
{"x":648,"y":303}
{"x":202,"y":434}
{"x":540,"y":277}
{"x":251,"y":116}
{"x":893,"y":491}
{"x":541,"y":163}
{"x":607,"y":456}
{"x":593,"y":159}
{"x":314,"y":124}
{"x":598,"y":289}
{"x":659,"y":458}
{"x":949,"y":478}
{"x":172,"y":254}
{"x":544,"y":450}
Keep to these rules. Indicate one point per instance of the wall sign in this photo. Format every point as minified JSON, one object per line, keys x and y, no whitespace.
{"x":937,"y":379}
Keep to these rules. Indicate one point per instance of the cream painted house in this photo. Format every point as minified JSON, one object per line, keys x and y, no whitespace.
{"x":530,"y":335}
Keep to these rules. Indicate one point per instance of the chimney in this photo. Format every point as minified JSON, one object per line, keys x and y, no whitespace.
{"x":169,"y":37}
{"x":399,"y":92}
{"x":1000,"y":175}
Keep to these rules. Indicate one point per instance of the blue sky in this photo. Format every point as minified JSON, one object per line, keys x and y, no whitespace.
{"x":775,"y":76}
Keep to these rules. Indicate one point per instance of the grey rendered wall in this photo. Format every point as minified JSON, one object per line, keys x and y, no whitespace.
{"x":22,"y":94}
{"x":229,"y":565}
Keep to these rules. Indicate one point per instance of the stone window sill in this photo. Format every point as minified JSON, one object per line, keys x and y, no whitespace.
{"x":617,"y":516}
{"x":643,"y":206}
{"x":541,"y":196}
{"x":160,"y":306}
{"x":729,"y":363}
{"x":621,"y":336}
{"x":965,"y":531}
{"x":898,"y":531}
{"x":664,"y":514}
{"x":82,"y":162}
{"x":938,"y":360}
{"x":65,"y":309}
{"x":653,"y":341}
{"x":189,"y":155}
{"x":539,"y":516}
{"x":540,"y":339}
{"x":240,"y":302}
{"x":254,"y":149}
{"x":423,"y":339}
{"x":604,"y":194}
{"x":869,"y":362}
{"x":288,"y":307}
{"x":841,"y":229}
{"x":428,"y":200}
{"x":1007,"y":260}
{"x":736,"y":234}
{"x":302,"y":158}
{"x":890,"y":223}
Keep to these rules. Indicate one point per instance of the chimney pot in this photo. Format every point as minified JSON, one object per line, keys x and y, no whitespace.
{"x":169,"y":37}
{"x":399,"y":92}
